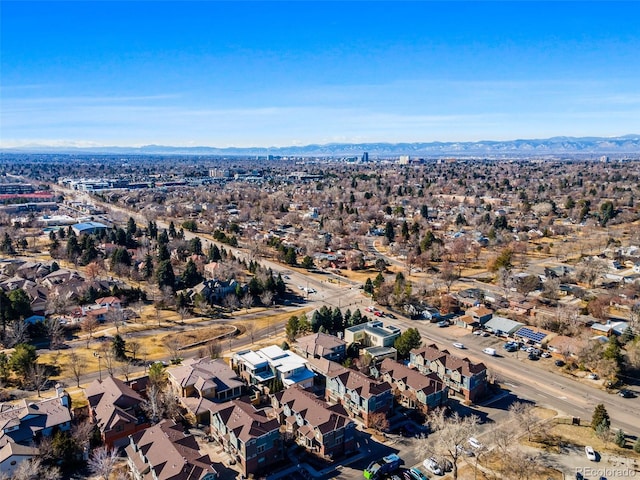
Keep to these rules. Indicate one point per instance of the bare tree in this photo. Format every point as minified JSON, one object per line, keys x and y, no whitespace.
{"x":451,"y":433}
{"x":77,"y":366}
{"x":266,"y":298}
{"x":523,"y":415}
{"x":102,"y":461}
{"x":55,"y":331}
{"x":125,"y":368}
{"x":183,"y":312}
{"x":231,"y":301}
{"x":18,"y":333}
{"x":173,"y":346}
{"x":38,"y":376}
{"x":107,"y":355}
{"x":33,"y":469}
{"x":82,"y":433}
{"x":250,"y":327}
{"x":134,"y":348}
{"x":247,"y":301}
{"x":116,"y":317}
{"x":89,"y":326}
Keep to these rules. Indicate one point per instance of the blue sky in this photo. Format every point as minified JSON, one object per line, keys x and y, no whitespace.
{"x":294,"y":73}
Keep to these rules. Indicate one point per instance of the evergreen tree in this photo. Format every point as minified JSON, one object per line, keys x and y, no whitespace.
{"x":307,"y":262}
{"x":172,"y":230}
{"x":147,"y":271}
{"x":163,"y":252}
{"x":214,"y":253}
{"x":389,"y":232}
{"x":600,"y":417}
{"x":191,"y":276}
{"x":131,"y":226}
{"x":7,"y":245}
{"x":165,"y":275}
{"x":368,"y":286}
{"x":620,"y":438}
{"x":407,"y":341}
{"x":636,"y":446}
{"x":118,"y":345}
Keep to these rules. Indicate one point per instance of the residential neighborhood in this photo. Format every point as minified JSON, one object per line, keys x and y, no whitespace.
{"x":161,"y":328}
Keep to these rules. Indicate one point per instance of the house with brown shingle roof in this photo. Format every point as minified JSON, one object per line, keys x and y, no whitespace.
{"x":360,"y":395}
{"x":413,"y":388}
{"x":166,"y":452}
{"x":461,"y":375}
{"x":252,"y":438}
{"x":199,"y":382}
{"x":321,"y":345}
{"x":323,"y":429}
{"x":115,"y":408}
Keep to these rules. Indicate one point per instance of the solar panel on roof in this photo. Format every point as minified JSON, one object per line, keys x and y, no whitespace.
{"x":531,"y":335}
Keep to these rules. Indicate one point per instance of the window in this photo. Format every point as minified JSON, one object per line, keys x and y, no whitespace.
{"x":261,"y":448}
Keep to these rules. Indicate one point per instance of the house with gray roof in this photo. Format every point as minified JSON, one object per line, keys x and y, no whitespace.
{"x":372,"y":334}
{"x":26,"y":420}
{"x":321,"y":345}
{"x":503,"y":325}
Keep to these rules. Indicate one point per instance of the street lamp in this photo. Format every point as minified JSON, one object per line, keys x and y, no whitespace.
{"x":97,"y":355}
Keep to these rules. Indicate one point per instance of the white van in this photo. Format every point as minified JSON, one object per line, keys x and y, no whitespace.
{"x":490,"y":351}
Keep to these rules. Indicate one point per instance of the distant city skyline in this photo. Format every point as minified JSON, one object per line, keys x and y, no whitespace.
{"x":261,"y":74}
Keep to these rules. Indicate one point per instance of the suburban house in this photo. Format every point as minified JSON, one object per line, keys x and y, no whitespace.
{"x":372,"y":334}
{"x":205,"y":378}
{"x":166,"y":452}
{"x":462,"y":376}
{"x":360,"y":395}
{"x":320,"y":428}
{"x":115,"y":408}
{"x":12,"y":455}
{"x":252,"y":438}
{"x":113,"y":303}
{"x":272,"y":364}
{"x":199,"y":382}
{"x":23,"y":422}
{"x":321,"y":345}
{"x":414,"y":389}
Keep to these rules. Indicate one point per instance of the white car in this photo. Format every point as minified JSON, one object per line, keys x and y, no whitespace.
{"x":592,"y":376}
{"x":590,"y":453}
{"x":475,"y":443}
{"x":459,"y":345}
{"x":489,"y":351}
{"x":432,"y":465}
{"x":545,"y":354}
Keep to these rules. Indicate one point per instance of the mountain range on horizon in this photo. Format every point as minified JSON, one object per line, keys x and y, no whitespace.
{"x":621,"y":145}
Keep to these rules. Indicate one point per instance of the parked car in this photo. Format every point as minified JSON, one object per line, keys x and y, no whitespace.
{"x":545,"y":354}
{"x":590,"y":453}
{"x":477,"y":332}
{"x":465,"y":451}
{"x":592,"y":376}
{"x":474,"y":443}
{"x":432,"y":465}
{"x":443,"y":323}
{"x":626,"y":393}
{"x":533,"y":356}
{"x":416,"y":474}
{"x":559,"y":363}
